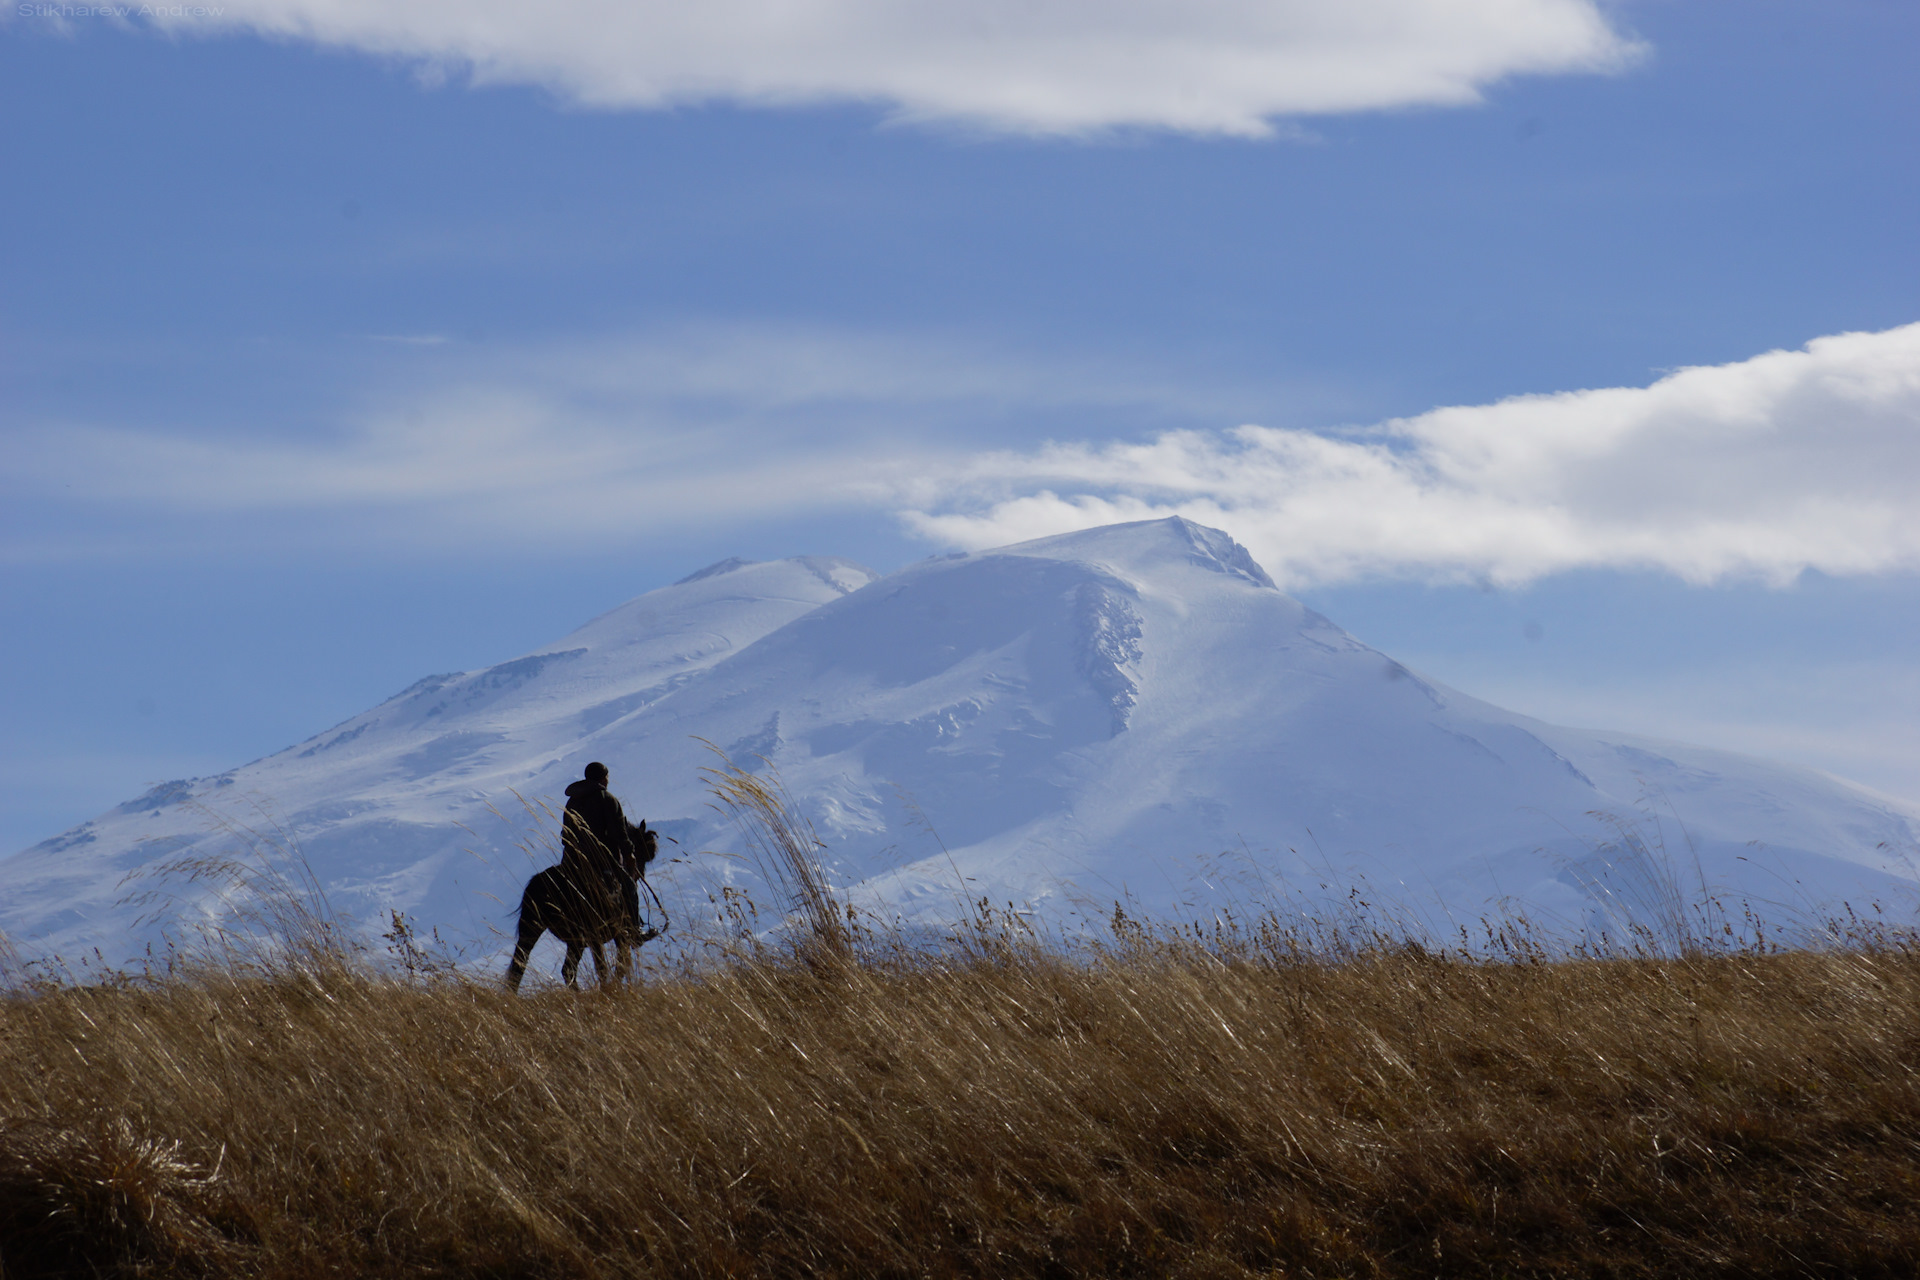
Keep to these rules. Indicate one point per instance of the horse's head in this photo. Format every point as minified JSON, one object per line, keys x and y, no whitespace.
{"x":646,"y":843}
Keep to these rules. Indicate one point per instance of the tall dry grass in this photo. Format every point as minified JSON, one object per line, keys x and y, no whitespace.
{"x":1166,"y":1105}
{"x":784,"y":849}
{"x":825,"y":1099}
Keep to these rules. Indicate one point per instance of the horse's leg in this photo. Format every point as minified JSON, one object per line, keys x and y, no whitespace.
{"x":571,"y":969}
{"x":530,"y":931}
{"x":628,"y":935}
{"x":600,"y":963}
{"x":622,"y":959}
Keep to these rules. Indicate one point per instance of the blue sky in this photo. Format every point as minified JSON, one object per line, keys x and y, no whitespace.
{"x":339,"y":350}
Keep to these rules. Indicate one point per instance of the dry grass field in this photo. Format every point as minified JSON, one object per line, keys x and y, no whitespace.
{"x":1233,"y":1101}
{"x":1165,"y":1106}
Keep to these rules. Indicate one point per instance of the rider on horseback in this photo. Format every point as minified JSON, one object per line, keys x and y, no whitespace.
{"x":593,"y":896}
{"x":596,"y":843}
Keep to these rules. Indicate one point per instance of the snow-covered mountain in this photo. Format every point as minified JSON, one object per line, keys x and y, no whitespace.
{"x":1131,"y":713}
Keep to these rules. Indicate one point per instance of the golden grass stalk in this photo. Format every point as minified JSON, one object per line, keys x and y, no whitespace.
{"x":785,"y":850}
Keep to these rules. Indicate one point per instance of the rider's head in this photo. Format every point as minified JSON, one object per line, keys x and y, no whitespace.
{"x":597,"y":772}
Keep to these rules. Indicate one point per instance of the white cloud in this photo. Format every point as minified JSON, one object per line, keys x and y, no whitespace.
{"x":1789,"y":461}
{"x":1763,"y":468}
{"x":1024,"y":66}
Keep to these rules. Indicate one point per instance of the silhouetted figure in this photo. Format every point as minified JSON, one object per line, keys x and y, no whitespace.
{"x":593,"y":896}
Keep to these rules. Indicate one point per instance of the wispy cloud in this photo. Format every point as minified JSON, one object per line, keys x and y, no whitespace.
{"x":542,"y":444}
{"x":1763,"y":468}
{"x":1060,"y":67}
{"x":489,"y":466}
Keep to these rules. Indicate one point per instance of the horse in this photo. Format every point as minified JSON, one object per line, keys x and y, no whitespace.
{"x":577,"y":906}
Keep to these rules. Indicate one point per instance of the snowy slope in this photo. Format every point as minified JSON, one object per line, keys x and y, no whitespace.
{"x":1130,"y":713}
{"x":394,"y":808}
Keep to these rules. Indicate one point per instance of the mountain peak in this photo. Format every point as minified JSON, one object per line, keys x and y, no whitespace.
{"x":715,"y":569}
{"x":1143,"y":544}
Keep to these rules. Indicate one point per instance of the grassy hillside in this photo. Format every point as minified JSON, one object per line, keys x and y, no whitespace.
{"x":1168,"y":1106}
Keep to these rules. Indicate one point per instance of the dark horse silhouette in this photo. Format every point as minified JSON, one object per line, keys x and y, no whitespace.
{"x":577,"y":906}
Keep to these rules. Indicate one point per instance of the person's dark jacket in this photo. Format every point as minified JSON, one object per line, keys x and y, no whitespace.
{"x":594,"y":832}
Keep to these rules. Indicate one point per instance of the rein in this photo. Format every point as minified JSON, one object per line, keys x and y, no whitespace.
{"x":666,"y":920}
